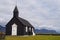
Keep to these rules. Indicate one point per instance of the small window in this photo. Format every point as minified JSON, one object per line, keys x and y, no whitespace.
{"x":26,"y":29}
{"x":30,"y":28}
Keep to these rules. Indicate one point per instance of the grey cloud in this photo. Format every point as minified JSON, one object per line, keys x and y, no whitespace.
{"x":37,"y":12}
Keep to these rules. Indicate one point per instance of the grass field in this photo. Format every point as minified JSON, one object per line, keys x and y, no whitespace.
{"x":37,"y":37}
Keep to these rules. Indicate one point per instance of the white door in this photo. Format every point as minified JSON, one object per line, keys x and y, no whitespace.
{"x":14,"y":29}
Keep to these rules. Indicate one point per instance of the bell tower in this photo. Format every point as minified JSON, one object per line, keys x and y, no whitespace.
{"x":15,"y":12}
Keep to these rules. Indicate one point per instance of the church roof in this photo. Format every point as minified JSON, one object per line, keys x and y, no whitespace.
{"x":25,"y":22}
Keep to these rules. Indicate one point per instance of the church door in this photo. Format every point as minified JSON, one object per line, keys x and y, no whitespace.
{"x":14,"y":29}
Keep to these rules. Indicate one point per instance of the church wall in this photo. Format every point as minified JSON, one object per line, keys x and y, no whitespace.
{"x":20,"y":27}
{"x":8,"y":30}
{"x":20,"y":30}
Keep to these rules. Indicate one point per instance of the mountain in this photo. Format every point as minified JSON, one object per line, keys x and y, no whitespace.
{"x":45,"y":31}
{"x":2,"y":29}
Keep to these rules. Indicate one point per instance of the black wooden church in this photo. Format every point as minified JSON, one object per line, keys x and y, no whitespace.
{"x":18,"y":25}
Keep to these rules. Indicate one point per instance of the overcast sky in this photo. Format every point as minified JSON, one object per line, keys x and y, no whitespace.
{"x":42,"y":14}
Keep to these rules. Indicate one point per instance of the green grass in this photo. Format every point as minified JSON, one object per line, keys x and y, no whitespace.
{"x":37,"y":37}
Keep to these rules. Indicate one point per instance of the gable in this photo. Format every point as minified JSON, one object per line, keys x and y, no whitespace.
{"x":14,"y":20}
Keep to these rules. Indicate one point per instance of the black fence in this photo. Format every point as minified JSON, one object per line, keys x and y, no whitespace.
{"x":2,"y":36}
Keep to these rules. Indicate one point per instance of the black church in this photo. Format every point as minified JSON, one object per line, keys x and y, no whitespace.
{"x":18,"y":25}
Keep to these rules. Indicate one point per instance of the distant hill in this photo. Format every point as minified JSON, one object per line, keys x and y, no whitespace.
{"x":45,"y":31}
{"x":2,"y":29}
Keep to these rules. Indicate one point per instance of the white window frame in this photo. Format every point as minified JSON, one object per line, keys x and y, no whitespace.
{"x":26,"y":28}
{"x":29,"y":28}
